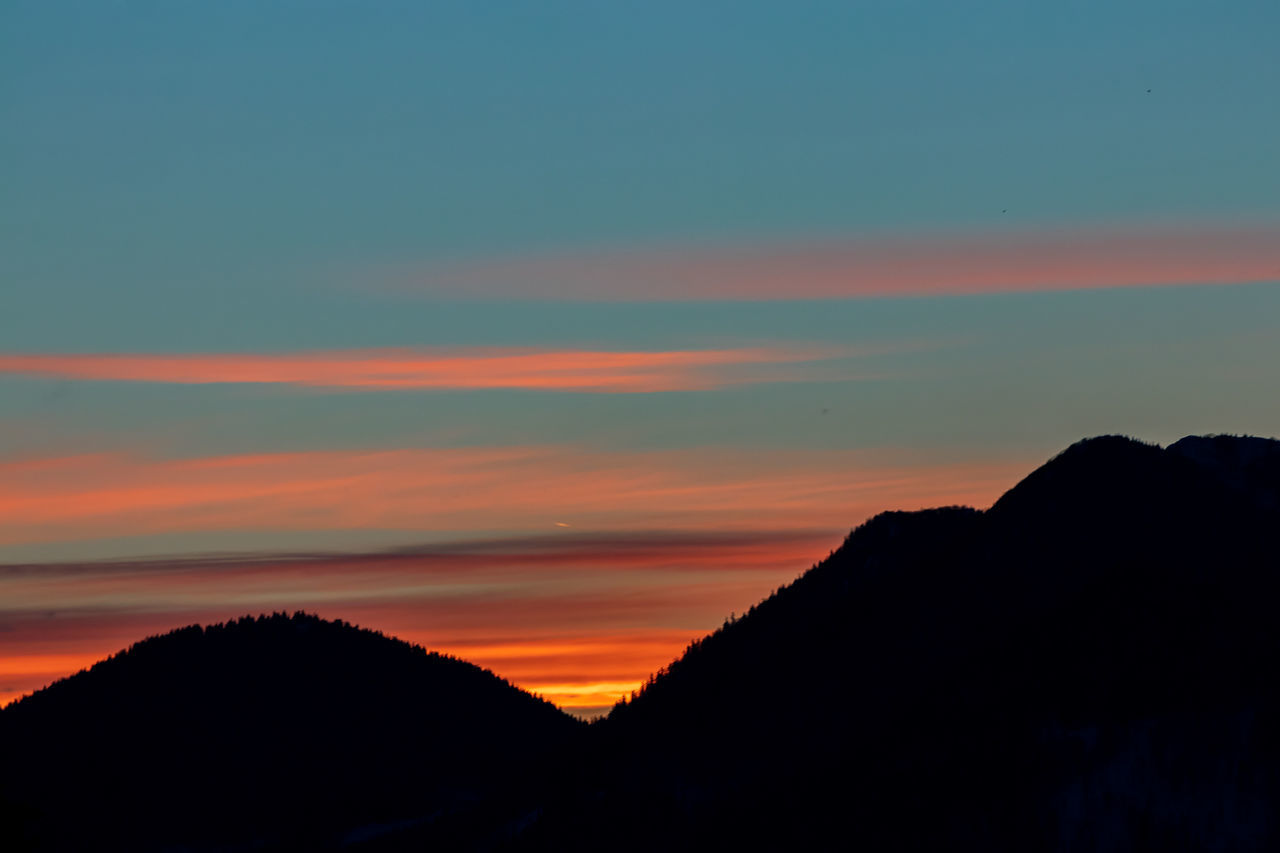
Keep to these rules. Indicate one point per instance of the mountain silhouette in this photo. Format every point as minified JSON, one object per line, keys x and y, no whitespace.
{"x":1087,"y":665}
{"x":279,"y":730}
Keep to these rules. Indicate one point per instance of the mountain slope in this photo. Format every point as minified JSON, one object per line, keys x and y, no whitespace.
{"x":1087,"y":665}
{"x":276,"y":729}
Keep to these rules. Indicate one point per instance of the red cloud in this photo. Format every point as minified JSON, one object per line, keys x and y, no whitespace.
{"x":926,"y":265}
{"x":392,"y":369}
{"x":470,"y":488}
{"x":580,"y":619}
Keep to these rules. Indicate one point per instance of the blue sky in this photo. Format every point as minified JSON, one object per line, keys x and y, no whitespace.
{"x":264,"y":177}
{"x":399,"y":183}
{"x":184,"y":150}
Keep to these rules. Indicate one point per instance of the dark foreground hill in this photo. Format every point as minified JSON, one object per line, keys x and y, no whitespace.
{"x":278,"y":731}
{"x":1090,"y":664}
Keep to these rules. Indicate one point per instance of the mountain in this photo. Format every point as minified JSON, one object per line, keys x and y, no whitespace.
{"x":278,"y":730}
{"x":1088,"y":665}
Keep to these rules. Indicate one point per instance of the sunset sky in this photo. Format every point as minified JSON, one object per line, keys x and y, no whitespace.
{"x":547,"y":335}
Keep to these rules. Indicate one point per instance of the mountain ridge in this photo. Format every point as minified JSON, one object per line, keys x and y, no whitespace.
{"x":1117,"y":586}
{"x":335,"y":722}
{"x":1084,"y":665}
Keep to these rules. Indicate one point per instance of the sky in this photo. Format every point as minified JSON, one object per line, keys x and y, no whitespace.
{"x":549,"y":335}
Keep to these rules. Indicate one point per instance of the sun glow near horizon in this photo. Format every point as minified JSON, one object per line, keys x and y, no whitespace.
{"x":581,"y":616}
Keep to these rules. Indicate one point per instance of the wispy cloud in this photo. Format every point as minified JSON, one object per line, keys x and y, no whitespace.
{"x":581,"y":619}
{"x":1029,"y":261}
{"x":462,"y":368}
{"x":531,"y":488}
{"x":663,"y":544}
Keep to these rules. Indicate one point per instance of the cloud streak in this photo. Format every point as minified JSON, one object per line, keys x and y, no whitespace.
{"x":1079,"y":259}
{"x":583,"y":371}
{"x":513,"y":488}
{"x":581,"y":619}
{"x":663,"y":544}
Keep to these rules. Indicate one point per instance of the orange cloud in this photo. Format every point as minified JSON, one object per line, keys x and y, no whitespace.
{"x":471,"y":488}
{"x":581,"y":614}
{"x":392,"y":369}
{"x":1077,"y":259}
{"x":570,"y":618}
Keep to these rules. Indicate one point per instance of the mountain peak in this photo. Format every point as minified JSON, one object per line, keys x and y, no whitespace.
{"x":1000,"y":680}
{"x":281,"y":723}
{"x":1076,"y":473}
